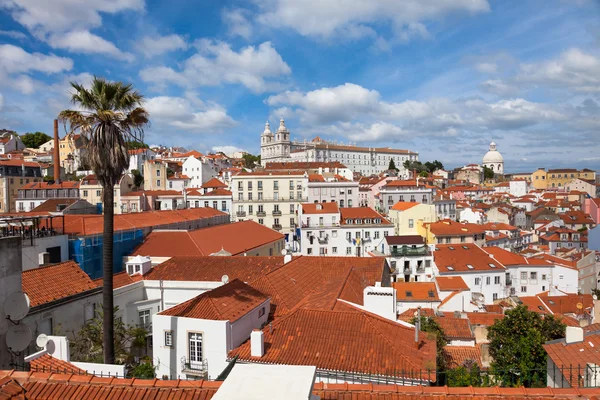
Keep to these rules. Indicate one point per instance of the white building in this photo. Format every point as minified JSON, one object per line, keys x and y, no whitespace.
{"x":518,"y":188}
{"x":137,"y":158}
{"x":10,"y":141}
{"x":327,"y":188}
{"x":494,"y":160}
{"x":410,"y":259}
{"x":327,"y":230}
{"x":278,"y":147}
{"x":199,"y":171}
{"x":192,"y":339}
{"x":405,"y":191}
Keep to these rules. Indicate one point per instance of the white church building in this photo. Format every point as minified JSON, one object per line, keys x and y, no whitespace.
{"x":278,"y":147}
{"x":494,"y":160}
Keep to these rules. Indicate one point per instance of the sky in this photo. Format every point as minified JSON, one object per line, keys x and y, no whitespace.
{"x":440,"y":77}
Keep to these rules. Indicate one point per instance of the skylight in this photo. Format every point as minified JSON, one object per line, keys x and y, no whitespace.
{"x":492,"y":265}
{"x":465,"y":247}
{"x":469,"y":266}
{"x":408,"y":293}
{"x":551,"y":302}
{"x":431,"y":294}
{"x":450,"y":268}
{"x":451,"y":248}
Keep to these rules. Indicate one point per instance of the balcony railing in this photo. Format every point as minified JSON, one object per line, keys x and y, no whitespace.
{"x":277,"y":227}
{"x":323,"y":240}
{"x":277,"y":213}
{"x":261,"y":214}
{"x":197,"y":368}
{"x":272,"y":200}
{"x":317,"y":225}
{"x":404,"y":251}
{"x":509,"y":282}
{"x":241,"y":213}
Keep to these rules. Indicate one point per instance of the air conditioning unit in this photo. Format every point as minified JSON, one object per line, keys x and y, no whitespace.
{"x":44,"y":258}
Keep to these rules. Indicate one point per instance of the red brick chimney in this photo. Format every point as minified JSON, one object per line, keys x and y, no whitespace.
{"x":56,"y":153}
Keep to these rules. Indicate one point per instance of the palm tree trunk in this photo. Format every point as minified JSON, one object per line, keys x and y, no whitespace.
{"x":107,"y":277}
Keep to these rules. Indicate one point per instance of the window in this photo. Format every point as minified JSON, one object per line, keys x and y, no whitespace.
{"x":477,"y":281}
{"x":249,"y":195}
{"x":291,"y":185}
{"x":411,"y":223}
{"x":462,"y":239}
{"x":275,"y":185}
{"x":496,"y":280}
{"x":206,"y":205}
{"x":158,"y":172}
{"x":144,"y":318}
{"x":334,"y":250}
{"x":292,"y":222}
{"x":309,"y":251}
{"x":195,"y":347}
{"x":168,"y":338}
{"x":98,"y":192}
{"x":215,"y":204}
{"x":85,"y":193}
{"x":523,"y":289}
{"x":543,"y":277}
{"x":261,"y":312}
{"x":259,"y":185}
{"x":240,"y":185}
{"x":249,"y":185}
{"x":376,"y":234}
{"x":488,"y":280}
{"x":260,"y":195}
{"x":561,"y":277}
{"x":495,"y":296}
{"x":240,"y":197}
{"x":224,"y":205}
{"x":261,"y":221}
{"x":533,"y":275}
{"x":523,"y":276}
{"x":349,"y":203}
{"x":158,"y":182}
{"x":276,"y":196}
{"x":291,"y":208}
{"x":348,"y":251}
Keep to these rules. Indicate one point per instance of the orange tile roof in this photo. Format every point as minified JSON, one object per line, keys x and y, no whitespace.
{"x":505,"y":257}
{"x":592,"y":328}
{"x":460,"y":356}
{"x":455,"y":328}
{"x":367,"y":344}
{"x":236,"y":238}
{"x":567,"y":303}
{"x":47,"y":363}
{"x":361,"y":213}
{"x":320,"y":208}
{"x":218,"y":192}
{"x":452,"y":228}
{"x":229,"y":302}
{"x":52,"y":204}
{"x":573,"y":357}
{"x":213,"y":183}
{"x":46,"y":185}
{"x":54,"y":282}
{"x":53,"y":386}
{"x":211,"y":269}
{"x":302,"y":165}
{"x":576,"y":217}
{"x":416,"y":291}
{"x":465,"y":257}
{"x":499,"y":226}
{"x":121,"y":279}
{"x":88,"y":224}
{"x":404,"y":205}
{"x":18,"y":163}
{"x":533,"y":303}
{"x":483,"y":318}
{"x":451,"y":283}
{"x":406,"y":183}
{"x":316,"y":178}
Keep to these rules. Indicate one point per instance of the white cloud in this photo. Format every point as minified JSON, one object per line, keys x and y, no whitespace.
{"x":14,"y":59}
{"x":43,"y":16}
{"x":573,"y":70}
{"x":14,"y":34}
{"x":227,"y":150}
{"x":180,"y":113}
{"x":215,"y":63}
{"x":152,"y":46}
{"x":237,"y":21}
{"x":498,"y":87}
{"x":326,"y":19}
{"x":87,"y":43}
{"x":486,"y":67}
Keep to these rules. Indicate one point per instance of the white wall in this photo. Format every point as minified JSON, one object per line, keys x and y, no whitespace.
{"x":31,"y":253}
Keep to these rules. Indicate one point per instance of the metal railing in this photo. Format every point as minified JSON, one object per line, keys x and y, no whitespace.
{"x":404,"y":251}
{"x":241,"y":213}
{"x":277,"y":213}
{"x":277,"y":227}
{"x":261,"y":214}
{"x":198,"y":368}
{"x":273,"y":200}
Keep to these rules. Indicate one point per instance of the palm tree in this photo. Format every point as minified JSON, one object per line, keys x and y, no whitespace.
{"x":108,"y":116}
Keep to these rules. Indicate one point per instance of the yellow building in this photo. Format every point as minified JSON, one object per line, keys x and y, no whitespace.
{"x":14,"y":174}
{"x":155,"y":175}
{"x":538,"y":179}
{"x":407,"y":215}
{"x":558,"y":178}
{"x":90,"y":190}
{"x":70,"y":150}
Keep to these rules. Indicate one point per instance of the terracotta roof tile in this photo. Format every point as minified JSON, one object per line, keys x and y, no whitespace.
{"x":483,"y":318}
{"x":506,"y":257}
{"x":213,"y":183}
{"x":236,"y":238}
{"x":573,"y":358}
{"x":453,"y":228}
{"x":455,"y":328}
{"x":218,"y":192}
{"x":460,"y":356}
{"x":451,"y":283}
{"x":121,"y":279}
{"x":52,"y":205}
{"x":54,"y":282}
{"x":404,"y":205}
{"x":361,"y":213}
{"x":368,"y":343}
{"x":225,"y":303}
{"x":320,"y":208}
{"x":416,"y":291}
{"x":463,"y":258}
{"x":316,"y":178}
{"x":47,"y":363}
{"x":301,"y":165}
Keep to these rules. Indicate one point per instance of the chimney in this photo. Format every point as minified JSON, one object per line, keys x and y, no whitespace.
{"x":56,"y":153}
{"x":257,"y":343}
{"x":417,"y":326}
{"x":574,"y":334}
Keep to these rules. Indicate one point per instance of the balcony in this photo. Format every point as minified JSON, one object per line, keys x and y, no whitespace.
{"x":196,"y":368}
{"x":277,"y":213}
{"x":277,"y":227}
{"x":241,"y":213}
{"x":261,"y":214}
{"x":323,"y":240}
{"x":273,"y":200}
{"x":404,"y":251}
{"x":509,"y":282}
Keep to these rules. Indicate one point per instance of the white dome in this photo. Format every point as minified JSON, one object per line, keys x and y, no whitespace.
{"x":492,"y":156}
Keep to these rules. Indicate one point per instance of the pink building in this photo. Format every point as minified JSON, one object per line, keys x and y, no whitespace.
{"x":592,"y":207}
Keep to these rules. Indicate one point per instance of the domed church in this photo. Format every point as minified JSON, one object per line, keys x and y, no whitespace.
{"x":494,"y":160}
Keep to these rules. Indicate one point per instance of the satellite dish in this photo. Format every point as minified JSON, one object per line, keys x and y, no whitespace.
{"x":284,"y":252}
{"x":16,"y":306}
{"x":42,"y":340}
{"x":595,"y":297}
{"x":18,"y":337}
{"x":225,"y":279}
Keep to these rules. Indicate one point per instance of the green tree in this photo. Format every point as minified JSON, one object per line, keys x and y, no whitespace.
{"x":488,"y":173}
{"x":435,"y":331}
{"x":109,"y":115}
{"x":250,"y":161}
{"x":138,"y":178}
{"x":464,"y":375}
{"x":34,"y":140}
{"x":433,"y":165}
{"x":392,"y":165}
{"x":135,"y":144}
{"x":423,"y":174}
{"x":516,"y":346}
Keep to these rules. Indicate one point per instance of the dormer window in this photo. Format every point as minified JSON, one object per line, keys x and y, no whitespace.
{"x":408,"y":293}
{"x":450,"y":268}
{"x":349,"y":221}
{"x":377,"y":221}
{"x":431,"y":294}
{"x":357,"y":221}
{"x":319,"y":207}
{"x":492,"y":265}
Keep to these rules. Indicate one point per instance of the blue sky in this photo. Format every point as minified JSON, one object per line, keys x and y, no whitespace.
{"x":440,"y":77}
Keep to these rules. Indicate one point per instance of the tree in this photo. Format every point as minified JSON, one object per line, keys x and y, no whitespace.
{"x":111,"y":116}
{"x":138,"y":179}
{"x":424,"y":174}
{"x":434,"y":165}
{"x":516,"y":345}
{"x":34,"y":140}
{"x":136,"y":144}
{"x":488,"y":173}
{"x":392,"y":165}
{"x":464,"y":375}
{"x":430,"y":325}
{"x":250,"y":161}
{"x":129,"y":341}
